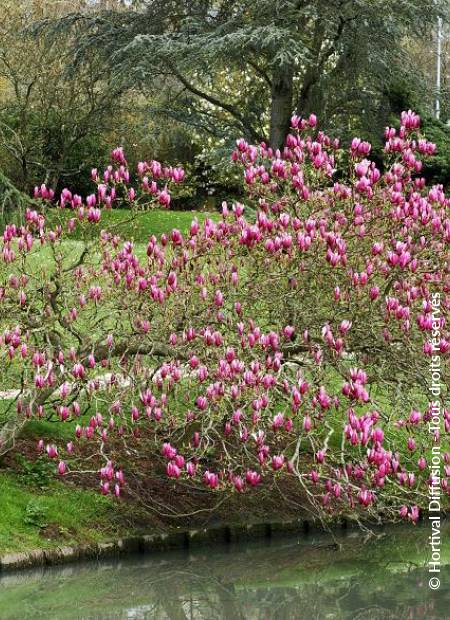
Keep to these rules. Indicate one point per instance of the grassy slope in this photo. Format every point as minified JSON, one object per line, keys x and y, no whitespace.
{"x":31,"y":517}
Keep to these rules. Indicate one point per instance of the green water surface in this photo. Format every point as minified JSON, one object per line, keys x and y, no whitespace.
{"x":305,"y":577}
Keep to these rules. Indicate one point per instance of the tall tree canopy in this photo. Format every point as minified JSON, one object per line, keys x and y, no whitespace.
{"x":246,"y":65}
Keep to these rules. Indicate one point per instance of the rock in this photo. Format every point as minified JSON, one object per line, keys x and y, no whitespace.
{"x":148,"y":543}
{"x":107,"y":549}
{"x":130,"y":544}
{"x":161,"y":542}
{"x":26,"y":559}
{"x":207,"y":536}
{"x":88,"y":551}
{"x":249,"y":532}
{"x":287,"y":527}
{"x":61,"y":555}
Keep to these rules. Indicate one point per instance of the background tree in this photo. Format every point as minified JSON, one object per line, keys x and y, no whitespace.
{"x":242,"y":67}
{"x":51,"y":120}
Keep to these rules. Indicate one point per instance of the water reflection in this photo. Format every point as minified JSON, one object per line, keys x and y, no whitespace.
{"x":282,"y":579}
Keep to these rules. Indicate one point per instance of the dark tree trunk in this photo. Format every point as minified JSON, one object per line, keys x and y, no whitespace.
{"x":281,"y":106}
{"x":304,"y":107}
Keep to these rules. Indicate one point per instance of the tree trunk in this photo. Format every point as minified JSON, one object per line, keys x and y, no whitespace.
{"x":281,"y":106}
{"x":304,"y":107}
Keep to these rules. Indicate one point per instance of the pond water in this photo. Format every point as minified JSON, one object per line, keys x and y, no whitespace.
{"x":305,"y":577}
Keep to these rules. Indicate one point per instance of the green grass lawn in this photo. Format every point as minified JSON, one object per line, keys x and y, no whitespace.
{"x":34,"y":502}
{"x":145,"y":224}
{"x":33,"y":516}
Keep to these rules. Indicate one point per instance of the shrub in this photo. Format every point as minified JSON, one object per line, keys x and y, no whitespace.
{"x":35,"y":514}
{"x":293,"y":346}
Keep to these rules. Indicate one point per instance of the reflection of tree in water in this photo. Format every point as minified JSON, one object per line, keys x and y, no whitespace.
{"x":187,"y":594}
{"x":197,"y":599}
{"x":214,"y":599}
{"x":270,"y":584}
{"x":282,"y":580}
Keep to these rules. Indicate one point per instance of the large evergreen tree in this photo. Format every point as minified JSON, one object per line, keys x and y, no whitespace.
{"x":248,"y":64}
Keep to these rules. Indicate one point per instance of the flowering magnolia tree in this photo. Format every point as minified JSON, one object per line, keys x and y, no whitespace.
{"x":290,"y":339}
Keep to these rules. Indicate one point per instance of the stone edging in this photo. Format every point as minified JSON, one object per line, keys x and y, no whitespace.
{"x":147,"y":544}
